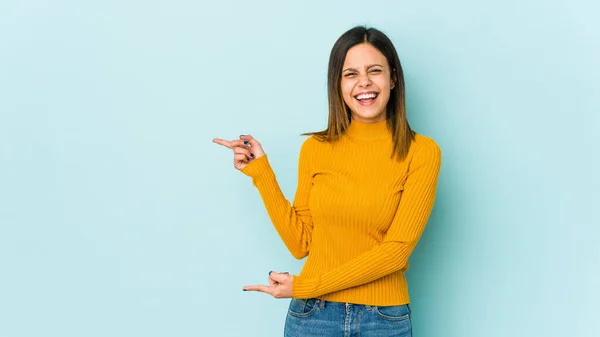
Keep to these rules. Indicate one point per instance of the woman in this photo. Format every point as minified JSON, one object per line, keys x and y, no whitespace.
{"x":366,"y":187}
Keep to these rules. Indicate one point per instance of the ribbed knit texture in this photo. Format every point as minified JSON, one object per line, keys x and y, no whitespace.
{"x":357,"y":213}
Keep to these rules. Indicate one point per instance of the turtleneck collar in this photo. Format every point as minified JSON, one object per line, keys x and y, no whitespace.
{"x":368,"y":131}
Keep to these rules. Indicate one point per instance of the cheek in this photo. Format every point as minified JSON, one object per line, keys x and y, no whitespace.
{"x":384,"y":83}
{"x":347,"y":91}
{"x":385,"y":98}
{"x":385,"y":87}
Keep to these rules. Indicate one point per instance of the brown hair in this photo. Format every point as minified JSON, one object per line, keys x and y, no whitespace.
{"x":339,"y":113}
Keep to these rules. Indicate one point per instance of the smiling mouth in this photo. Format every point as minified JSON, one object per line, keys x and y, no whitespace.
{"x":366,"y":99}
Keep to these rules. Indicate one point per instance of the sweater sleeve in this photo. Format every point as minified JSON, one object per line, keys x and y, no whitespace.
{"x":293,"y":222}
{"x":401,"y":238}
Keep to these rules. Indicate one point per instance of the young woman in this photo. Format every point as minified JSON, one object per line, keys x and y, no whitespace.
{"x":366,"y":187}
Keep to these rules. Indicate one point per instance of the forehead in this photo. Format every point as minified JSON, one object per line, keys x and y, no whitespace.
{"x":364,"y":54}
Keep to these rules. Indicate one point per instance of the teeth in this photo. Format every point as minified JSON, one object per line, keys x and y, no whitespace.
{"x":366,"y":96}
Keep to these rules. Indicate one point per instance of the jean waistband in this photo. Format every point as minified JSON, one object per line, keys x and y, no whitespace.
{"x":323,"y":303}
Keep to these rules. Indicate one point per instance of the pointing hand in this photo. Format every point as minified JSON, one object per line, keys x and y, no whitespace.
{"x":244,"y":149}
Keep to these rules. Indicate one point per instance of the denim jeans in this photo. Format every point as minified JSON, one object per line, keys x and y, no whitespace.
{"x":314,"y":317}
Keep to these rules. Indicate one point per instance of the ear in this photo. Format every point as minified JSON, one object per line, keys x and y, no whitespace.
{"x":393,"y":79}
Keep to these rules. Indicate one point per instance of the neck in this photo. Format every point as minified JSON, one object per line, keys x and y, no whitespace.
{"x":368,"y":131}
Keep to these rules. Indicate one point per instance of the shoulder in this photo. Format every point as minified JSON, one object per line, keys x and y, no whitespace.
{"x":310,"y":141}
{"x":425,"y":148}
{"x":308,"y":148}
{"x":424,"y":143}
{"x":312,"y":144}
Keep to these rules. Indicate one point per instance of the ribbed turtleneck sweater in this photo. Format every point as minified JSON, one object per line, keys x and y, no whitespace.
{"x":357,"y":213}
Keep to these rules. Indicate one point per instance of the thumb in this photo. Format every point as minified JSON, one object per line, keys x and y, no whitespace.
{"x":279,"y":277}
{"x":250,"y":139}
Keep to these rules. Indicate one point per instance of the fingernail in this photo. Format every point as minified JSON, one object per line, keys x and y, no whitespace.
{"x":244,"y":290}
{"x":285,"y":272}
{"x":246,"y":142}
{"x":251,"y":154}
{"x":270,"y":272}
{"x":242,"y":135}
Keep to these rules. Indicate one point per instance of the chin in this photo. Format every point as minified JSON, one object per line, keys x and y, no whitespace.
{"x":375,"y":116}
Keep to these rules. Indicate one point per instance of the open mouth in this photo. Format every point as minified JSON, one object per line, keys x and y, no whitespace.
{"x":367,"y":98}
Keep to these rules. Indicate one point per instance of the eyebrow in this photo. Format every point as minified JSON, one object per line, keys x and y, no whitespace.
{"x":369,"y":66}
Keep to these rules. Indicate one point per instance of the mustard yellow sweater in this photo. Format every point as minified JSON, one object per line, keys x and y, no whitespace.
{"x":357,"y":213}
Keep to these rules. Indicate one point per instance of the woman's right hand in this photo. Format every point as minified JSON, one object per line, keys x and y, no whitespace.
{"x":245,"y":150}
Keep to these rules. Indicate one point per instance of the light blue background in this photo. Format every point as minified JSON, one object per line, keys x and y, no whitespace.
{"x":120,"y":217}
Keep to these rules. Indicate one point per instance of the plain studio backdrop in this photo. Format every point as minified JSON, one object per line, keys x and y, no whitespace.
{"x":120,"y":217}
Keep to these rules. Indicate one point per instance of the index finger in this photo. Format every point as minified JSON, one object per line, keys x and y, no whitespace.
{"x":261,"y":288}
{"x":223,"y":142}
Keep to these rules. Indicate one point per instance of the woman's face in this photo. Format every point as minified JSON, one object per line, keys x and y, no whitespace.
{"x":366,"y":83}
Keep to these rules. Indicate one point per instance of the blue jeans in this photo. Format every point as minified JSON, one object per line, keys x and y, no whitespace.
{"x":314,"y":317}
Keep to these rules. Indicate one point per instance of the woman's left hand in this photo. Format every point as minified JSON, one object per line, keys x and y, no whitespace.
{"x":280,"y":285}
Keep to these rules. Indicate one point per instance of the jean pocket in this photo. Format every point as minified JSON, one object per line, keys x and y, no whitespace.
{"x":394,"y":313}
{"x":303,"y":307}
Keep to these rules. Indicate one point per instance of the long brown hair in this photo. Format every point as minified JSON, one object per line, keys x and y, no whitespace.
{"x":339,"y":113}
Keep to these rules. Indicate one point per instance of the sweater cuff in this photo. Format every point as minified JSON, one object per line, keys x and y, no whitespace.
{"x":305,"y":287}
{"x":258,"y":168}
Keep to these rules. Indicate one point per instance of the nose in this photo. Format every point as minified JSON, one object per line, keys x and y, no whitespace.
{"x":364,"y":81}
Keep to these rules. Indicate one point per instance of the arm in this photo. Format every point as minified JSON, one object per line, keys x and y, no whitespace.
{"x":293,"y":223}
{"x":401,"y":238}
